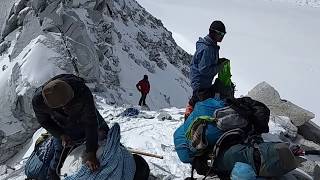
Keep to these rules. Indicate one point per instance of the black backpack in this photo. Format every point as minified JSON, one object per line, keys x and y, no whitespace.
{"x":255,"y":112}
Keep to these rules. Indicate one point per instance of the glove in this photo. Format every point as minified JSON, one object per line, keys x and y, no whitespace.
{"x":188,"y":111}
{"x":223,"y":60}
{"x":66,"y":140}
{"x":91,"y":161}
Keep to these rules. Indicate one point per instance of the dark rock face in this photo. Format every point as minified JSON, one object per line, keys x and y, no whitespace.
{"x":310,"y":131}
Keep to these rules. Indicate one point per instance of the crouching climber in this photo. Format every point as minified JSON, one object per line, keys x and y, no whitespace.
{"x":65,"y":107}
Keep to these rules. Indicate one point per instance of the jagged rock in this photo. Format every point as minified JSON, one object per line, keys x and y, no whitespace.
{"x":2,"y":136}
{"x":30,"y":31}
{"x":22,"y":14}
{"x":13,"y":144}
{"x":310,"y":131}
{"x":11,"y":25}
{"x":3,"y":169}
{"x":4,"y":67}
{"x":21,"y":4}
{"x":50,"y":18}
{"x":291,"y":130}
{"x":143,"y":39}
{"x":6,"y":11}
{"x":105,"y":30}
{"x":148,"y":66}
{"x":155,"y":56}
{"x":4,"y":46}
{"x":316,"y":172}
{"x":74,"y":32}
{"x":38,"y":5}
{"x":164,"y":116}
{"x":100,"y":4}
{"x":266,"y":94}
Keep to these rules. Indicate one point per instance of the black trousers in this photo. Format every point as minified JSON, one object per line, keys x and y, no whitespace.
{"x":201,"y":94}
{"x":142,"y":101}
{"x":216,"y":89}
{"x":142,"y":168}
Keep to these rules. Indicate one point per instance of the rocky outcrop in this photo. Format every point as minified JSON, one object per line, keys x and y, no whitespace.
{"x":5,"y":8}
{"x":266,"y":94}
{"x":30,"y":31}
{"x":294,"y":120}
{"x":290,"y":129}
{"x":10,"y":25}
{"x":4,"y":46}
{"x":310,"y":131}
{"x":22,"y":14}
{"x":83,"y":53}
{"x":164,"y":116}
{"x":15,"y":17}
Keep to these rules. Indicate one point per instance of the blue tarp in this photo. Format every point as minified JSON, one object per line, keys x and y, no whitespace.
{"x":116,"y":162}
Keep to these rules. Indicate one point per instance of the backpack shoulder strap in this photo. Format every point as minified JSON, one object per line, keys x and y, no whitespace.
{"x":226,"y":140}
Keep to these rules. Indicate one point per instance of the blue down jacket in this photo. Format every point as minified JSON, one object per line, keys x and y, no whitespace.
{"x":204,"y":64}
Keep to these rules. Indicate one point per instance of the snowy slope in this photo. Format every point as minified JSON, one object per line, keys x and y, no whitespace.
{"x":270,"y":41}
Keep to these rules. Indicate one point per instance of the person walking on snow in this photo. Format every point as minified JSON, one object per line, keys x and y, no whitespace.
{"x":206,"y":63}
{"x":65,"y":107}
{"x":144,"y":87}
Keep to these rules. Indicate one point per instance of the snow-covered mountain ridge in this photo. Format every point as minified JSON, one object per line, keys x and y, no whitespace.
{"x":111,"y":44}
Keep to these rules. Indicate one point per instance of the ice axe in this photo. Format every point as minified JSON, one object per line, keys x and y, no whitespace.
{"x":144,"y":153}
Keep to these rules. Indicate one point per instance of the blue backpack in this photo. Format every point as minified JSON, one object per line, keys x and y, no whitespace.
{"x":38,"y":163}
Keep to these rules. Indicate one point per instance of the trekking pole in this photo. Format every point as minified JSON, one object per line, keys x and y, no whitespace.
{"x":145,"y":153}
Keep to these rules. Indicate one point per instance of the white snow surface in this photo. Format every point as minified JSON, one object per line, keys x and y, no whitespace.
{"x":267,"y":40}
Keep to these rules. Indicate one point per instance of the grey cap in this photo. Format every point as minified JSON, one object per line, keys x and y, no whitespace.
{"x":57,"y":93}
